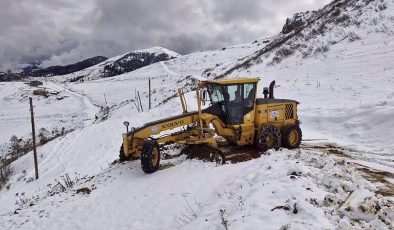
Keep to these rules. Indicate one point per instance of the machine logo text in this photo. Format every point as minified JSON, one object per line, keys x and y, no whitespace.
{"x":173,"y":124}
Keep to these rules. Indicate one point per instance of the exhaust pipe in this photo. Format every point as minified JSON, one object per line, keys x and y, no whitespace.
{"x":265,"y":92}
{"x":271,"y":90}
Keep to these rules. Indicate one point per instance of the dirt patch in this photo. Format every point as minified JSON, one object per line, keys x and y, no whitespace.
{"x":232,"y":153}
{"x":328,"y":148}
{"x":236,"y":154}
{"x":378,"y":177}
{"x":307,"y":146}
{"x":337,"y":151}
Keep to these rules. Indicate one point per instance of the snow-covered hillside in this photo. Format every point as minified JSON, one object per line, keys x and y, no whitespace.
{"x":121,"y":64}
{"x":342,"y":177}
{"x":62,"y":109}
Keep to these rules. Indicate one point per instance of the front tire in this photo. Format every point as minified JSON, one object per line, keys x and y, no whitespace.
{"x":292,"y":138}
{"x":269,"y":138}
{"x":150,"y":156}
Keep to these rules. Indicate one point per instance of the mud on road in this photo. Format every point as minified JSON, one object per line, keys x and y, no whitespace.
{"x":381,"y":179}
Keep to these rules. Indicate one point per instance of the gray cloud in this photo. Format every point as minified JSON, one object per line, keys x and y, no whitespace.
{"x":65,"y":31}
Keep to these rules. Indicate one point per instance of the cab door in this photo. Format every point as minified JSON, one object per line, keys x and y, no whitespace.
{"x":248,"y":102}
{"x":234,"y":104}
{"x":240,"y":100}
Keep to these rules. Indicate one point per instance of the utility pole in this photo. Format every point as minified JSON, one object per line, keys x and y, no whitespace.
{"x":149,"y":96}
{"x":34,"y":137}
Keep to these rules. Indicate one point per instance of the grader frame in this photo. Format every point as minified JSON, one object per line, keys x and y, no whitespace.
{"x":234,"y":113}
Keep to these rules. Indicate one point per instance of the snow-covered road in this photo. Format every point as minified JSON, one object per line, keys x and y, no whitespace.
{"x":281,"y":189}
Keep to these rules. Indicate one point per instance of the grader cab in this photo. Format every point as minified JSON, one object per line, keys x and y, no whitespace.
{"x":234,"y":113}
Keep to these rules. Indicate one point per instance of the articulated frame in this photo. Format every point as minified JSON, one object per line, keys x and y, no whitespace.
{"x":197,"y":131}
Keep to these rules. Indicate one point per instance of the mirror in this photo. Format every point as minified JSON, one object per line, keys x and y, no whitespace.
{"x":204,"y":96}
{"x":126,"y":123}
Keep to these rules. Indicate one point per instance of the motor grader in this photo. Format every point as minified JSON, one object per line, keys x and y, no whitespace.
{"x":234,"y":114}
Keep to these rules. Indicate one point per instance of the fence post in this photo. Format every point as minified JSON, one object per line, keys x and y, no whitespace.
{"x":34,"y":137}
{"x":139,"y":99}
{"x":149,"y":96}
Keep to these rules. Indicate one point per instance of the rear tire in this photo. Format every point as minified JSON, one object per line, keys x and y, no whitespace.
{"x":292,"y":137}
{"x":269,"y":138}
{"x":150,"y":156}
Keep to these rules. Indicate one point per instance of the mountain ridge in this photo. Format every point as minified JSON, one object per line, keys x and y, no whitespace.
{"x":121,"y":64}
{"x":95,"y":67}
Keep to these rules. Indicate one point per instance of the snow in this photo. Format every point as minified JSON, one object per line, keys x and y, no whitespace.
{"x":341,"y":177}
{"x":66,"y":109}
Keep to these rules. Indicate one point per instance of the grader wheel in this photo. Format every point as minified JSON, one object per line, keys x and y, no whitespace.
{"x":269,"y":138}
{"x":292,"y":137}
{"x":150,"y":156}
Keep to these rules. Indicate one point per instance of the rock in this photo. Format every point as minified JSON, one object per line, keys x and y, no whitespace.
{"x":296,"y":22}
{"x":361,"y":205}
{"x":17,"y":211}
{"x":84,"y":190}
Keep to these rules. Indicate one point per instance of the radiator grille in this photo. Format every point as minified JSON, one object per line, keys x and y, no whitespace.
{"x":289,"y":111}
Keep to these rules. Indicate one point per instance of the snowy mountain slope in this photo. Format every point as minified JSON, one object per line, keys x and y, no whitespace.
{"x":121,"y":64}
{"x":343,"y":182}
{"x":312,"y":33}
{"x":35,"y":71}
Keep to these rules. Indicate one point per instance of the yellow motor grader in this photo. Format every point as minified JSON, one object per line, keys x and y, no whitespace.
{"x":234,"y":114}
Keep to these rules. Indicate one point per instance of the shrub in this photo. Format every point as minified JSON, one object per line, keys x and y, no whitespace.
{"x":322,"y":49}
{"x":284,"y":52}
{"x":5,"y":172}
{"x":352,"y":36}
{"x":382,"y":6}
{"x":342,"y":18}
{"x":336,"y":13}
{"x":306,"y":53}
{"x":42,"y":136}
{"x":15,"y":144}
{"x":223,"y":219}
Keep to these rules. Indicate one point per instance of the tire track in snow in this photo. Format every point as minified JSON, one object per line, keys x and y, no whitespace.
{"x":91,"y":109}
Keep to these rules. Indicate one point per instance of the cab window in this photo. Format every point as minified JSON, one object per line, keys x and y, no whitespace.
{"x":215,"y":91}
{"x":249,"y":97}
{"x":234,"y":93}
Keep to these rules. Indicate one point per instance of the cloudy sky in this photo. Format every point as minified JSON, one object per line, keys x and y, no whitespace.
{"x":65,"y":31}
